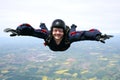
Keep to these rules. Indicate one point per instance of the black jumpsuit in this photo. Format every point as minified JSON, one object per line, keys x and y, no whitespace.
{"x":73,"y":36}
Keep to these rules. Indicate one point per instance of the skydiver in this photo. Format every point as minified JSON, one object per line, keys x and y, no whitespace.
{"x":60,"y":37}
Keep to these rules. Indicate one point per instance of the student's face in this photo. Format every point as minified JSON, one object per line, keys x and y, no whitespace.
{"x":57,"y":33}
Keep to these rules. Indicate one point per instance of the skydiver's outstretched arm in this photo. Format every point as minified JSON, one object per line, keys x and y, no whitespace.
{"x":93,"y":34}
{"x":27,"y":30}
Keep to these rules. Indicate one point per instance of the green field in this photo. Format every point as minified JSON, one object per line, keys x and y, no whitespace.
{"x":22,"y":60}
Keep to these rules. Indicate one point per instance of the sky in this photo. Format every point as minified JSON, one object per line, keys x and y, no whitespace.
{"x":86,"y":14}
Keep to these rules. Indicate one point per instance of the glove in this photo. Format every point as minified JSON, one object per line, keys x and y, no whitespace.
{"x":14,"y":32}
{"x":102,"y":38}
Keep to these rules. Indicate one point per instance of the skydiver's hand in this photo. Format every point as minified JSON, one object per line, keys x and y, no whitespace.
{"x":102,"y":38}
{"x":14,"y":32}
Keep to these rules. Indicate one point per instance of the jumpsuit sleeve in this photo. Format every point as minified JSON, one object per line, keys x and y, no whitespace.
{"x":28,"y":30}
{"x":84,"y":35}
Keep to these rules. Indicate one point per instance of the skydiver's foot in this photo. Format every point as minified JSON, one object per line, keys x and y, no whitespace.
{"x":43,"y":26}
{"x":73,"y":26}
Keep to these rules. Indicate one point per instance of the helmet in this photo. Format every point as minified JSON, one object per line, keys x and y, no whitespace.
{"x":58,"y":23}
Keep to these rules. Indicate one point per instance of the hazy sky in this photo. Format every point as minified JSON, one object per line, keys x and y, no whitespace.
{"x":86,"y":14}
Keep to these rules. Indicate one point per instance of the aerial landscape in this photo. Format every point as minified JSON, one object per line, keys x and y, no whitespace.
{"x":28,"y":59}
{"x":23,"y":57}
